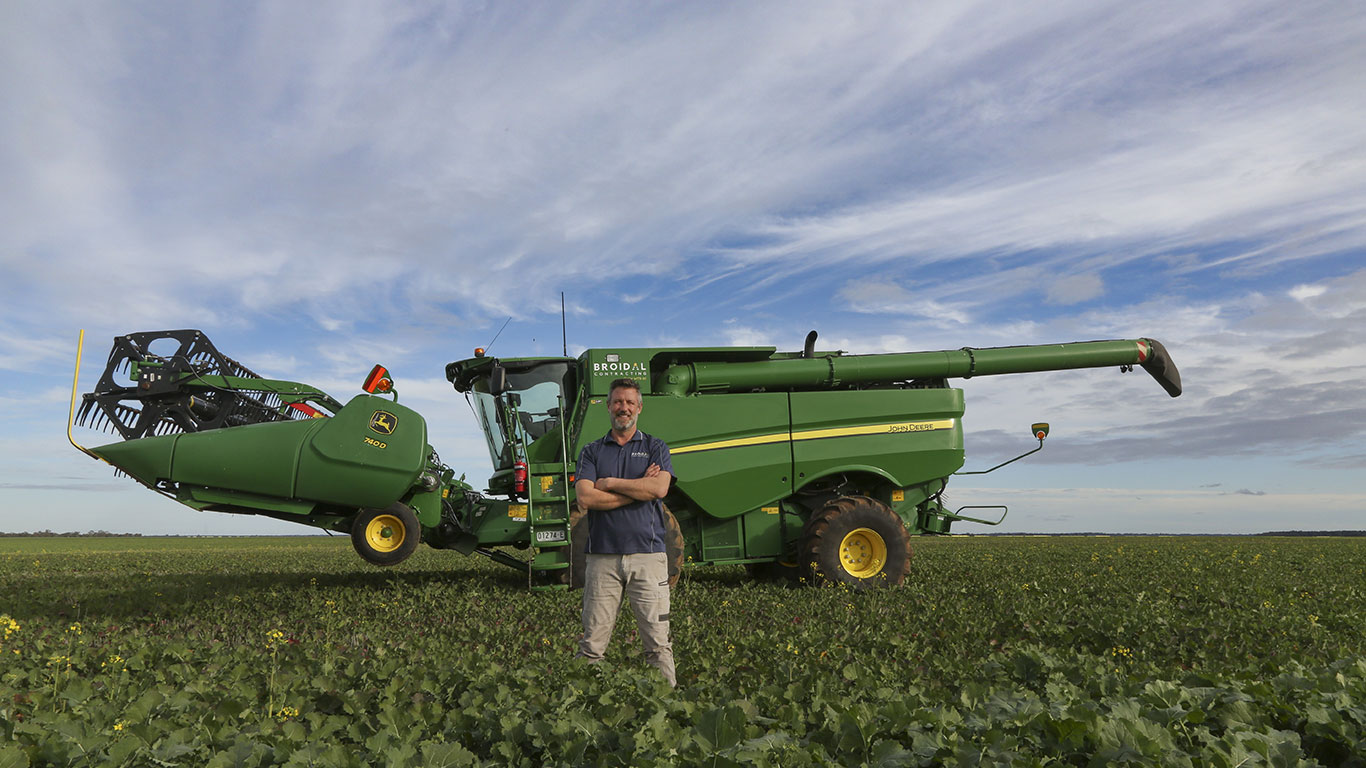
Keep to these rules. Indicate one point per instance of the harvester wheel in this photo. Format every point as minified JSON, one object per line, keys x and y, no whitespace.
{"x":858,"y":541}
{"x":578,"y":540}
{"x":673,"y":546}
{"x":386,"y":536}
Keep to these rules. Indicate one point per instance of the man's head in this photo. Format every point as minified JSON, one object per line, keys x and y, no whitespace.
{"x":624,"y":405}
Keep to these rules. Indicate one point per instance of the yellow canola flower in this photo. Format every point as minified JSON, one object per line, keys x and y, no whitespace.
{"x":118,"y":726}
{"x":75,"y":628}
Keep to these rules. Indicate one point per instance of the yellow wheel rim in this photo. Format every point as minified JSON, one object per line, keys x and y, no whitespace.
{"x":863,"y":553}
{"x":385,"y":533}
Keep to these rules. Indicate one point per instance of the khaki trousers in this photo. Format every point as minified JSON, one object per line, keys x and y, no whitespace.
{"x":645,"y":580}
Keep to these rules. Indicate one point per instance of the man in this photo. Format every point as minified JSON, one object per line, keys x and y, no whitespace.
{"x":620,"y":480}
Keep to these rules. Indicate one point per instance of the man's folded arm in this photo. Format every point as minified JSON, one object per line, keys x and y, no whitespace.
{"x":654,"y":485}
{"x":591,"y":497}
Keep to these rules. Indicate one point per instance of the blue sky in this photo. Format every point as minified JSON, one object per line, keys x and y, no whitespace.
{"x":322,"y":188}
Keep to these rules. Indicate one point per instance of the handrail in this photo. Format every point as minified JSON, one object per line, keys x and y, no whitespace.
{"x":71,"y":414}
{"x":954,"y":515}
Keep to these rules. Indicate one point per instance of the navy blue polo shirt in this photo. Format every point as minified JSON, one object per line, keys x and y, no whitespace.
{"x":636,"y":527}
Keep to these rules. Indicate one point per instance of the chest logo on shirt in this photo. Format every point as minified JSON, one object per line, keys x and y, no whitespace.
{"x":639,"y":455}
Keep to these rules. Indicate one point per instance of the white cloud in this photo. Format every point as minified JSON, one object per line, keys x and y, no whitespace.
{"x":365,"y":149}
{"x":1306,"y":292}
{"x":1075,"y":289}
{"x":389,"y":184}
{"x":880,"y":296}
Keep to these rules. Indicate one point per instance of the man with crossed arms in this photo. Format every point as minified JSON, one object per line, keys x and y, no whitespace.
{"x":620,"y":480}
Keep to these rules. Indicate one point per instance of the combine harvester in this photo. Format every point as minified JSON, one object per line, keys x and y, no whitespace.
{"x":811,"y":463}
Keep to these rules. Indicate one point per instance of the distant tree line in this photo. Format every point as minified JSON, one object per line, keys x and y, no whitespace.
{"x":1313,"y":533}
{"x":69,"y":533}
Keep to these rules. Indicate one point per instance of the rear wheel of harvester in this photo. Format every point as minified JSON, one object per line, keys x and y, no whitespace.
{"x":858,"y":541}
{"x":386,"y":536}
{"x":578,"y":541}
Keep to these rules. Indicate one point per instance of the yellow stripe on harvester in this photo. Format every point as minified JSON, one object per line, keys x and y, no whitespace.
{"x":894,"y":428}
{"x":780,"y":437}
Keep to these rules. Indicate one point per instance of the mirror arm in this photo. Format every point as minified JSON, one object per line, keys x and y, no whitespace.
{"x":1002,"y":464}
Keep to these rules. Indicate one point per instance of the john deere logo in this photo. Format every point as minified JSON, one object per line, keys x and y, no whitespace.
{"x":384,"y":422}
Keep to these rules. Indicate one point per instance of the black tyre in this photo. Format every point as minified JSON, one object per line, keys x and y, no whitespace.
{"x":857,"y":541}
{"x":673,"y":546}
{"x":779,"y":571}
{"x":386,"y":536}
{"x":578,"y":540}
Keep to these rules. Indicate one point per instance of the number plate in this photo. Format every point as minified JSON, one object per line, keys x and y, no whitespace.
{"x":551,"y":535}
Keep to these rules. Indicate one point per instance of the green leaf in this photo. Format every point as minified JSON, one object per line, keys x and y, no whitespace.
{"x":852,"y":740}
{"x":243,"y":753}
{"x":122,"y":749}
{"x":891,"y":754}
{"x":294,"y":731}
{"x":141,"y":709}
{"x":447,"y":755}
{"x":13,"y":757}
{"x":720,"y":729}
{"x":77,"y":691}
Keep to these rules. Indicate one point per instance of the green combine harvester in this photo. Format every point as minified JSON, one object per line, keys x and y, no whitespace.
{"x":814,"y":464}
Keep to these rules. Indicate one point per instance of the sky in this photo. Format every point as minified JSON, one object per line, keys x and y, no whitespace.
{"x":321,"y":188}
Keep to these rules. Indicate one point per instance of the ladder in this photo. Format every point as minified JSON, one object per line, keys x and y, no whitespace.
{"x":547,"y":518}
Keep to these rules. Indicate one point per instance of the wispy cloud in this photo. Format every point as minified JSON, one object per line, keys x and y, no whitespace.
{"x":405,"y":156}
{"x":321,"y":192}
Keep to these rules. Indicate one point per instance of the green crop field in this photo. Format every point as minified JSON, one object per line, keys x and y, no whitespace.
{"x":997,"y":651}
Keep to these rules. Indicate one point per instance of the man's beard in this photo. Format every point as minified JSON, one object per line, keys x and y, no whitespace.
{"x":618,"y":426}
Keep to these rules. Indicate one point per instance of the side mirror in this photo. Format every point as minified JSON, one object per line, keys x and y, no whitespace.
{"x":498,"y":380}
{"x":1040,"y":430}
{"x":378,"y":381}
